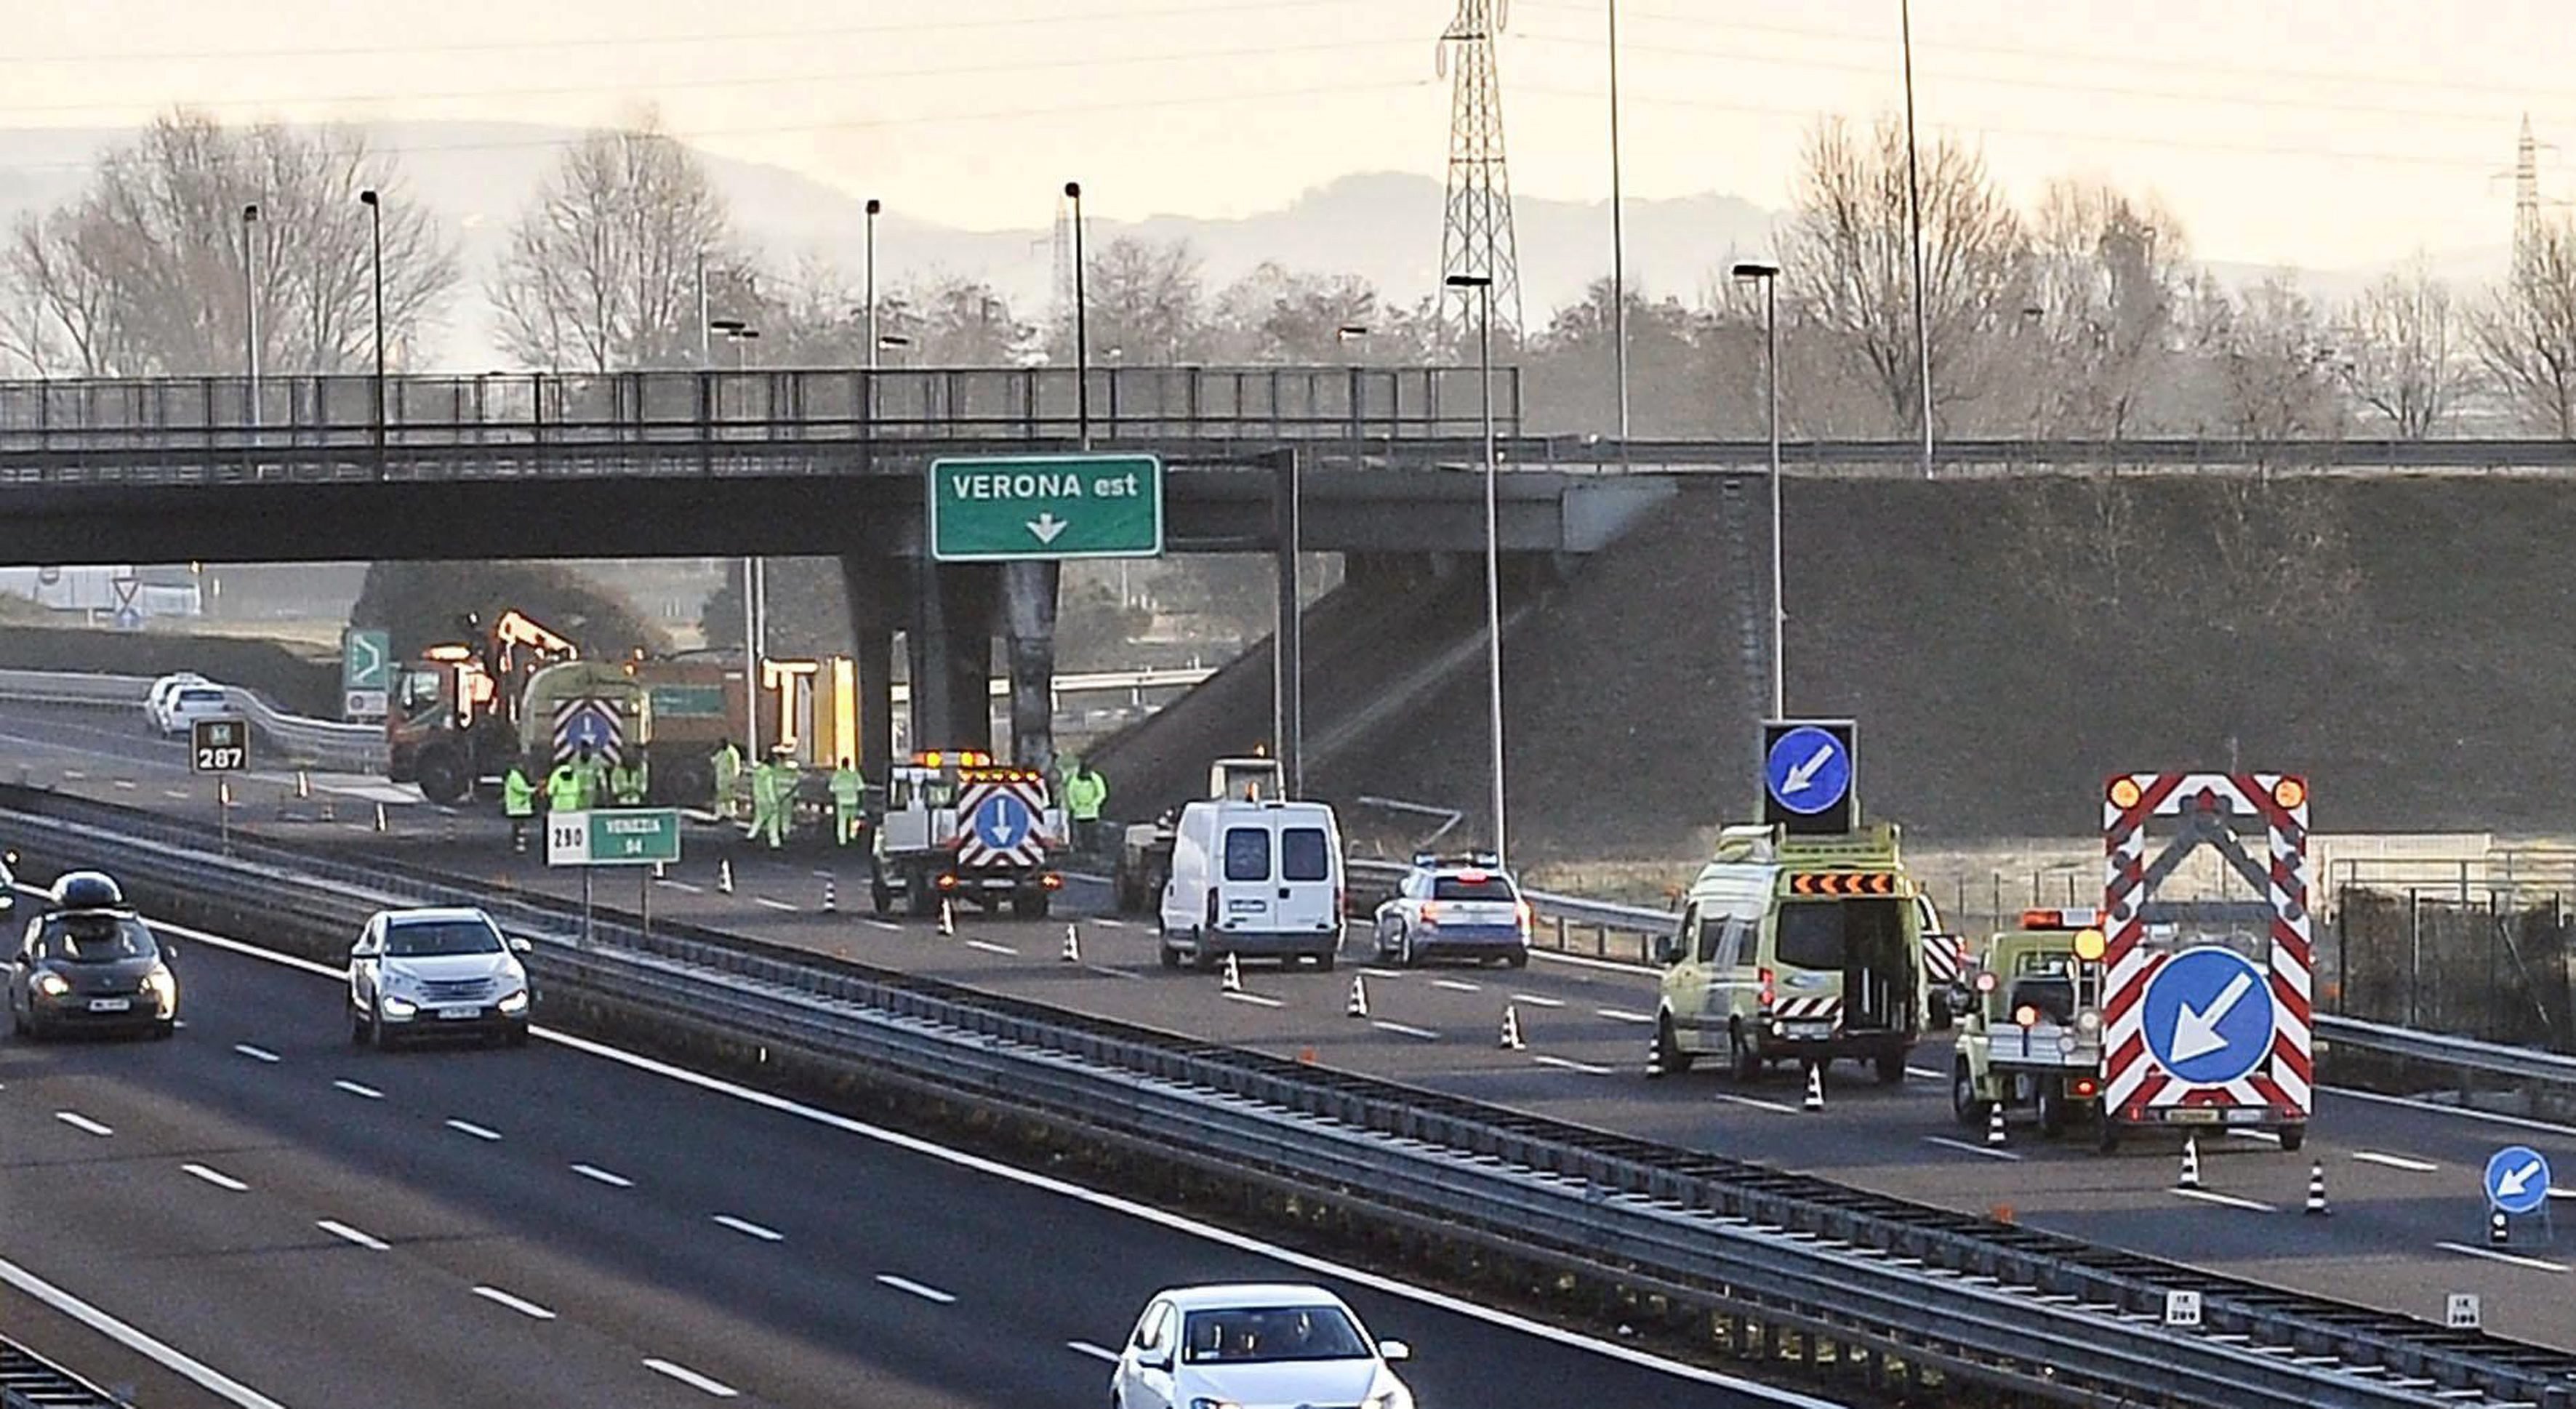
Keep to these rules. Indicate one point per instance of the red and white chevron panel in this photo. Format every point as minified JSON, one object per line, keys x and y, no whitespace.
{"x":1807,"y":1009}
{"x":1030,"y":850}
{"x":2135,"y":1084}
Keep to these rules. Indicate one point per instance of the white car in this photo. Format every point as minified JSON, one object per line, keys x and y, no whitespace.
{"x":156,"y":699}
{"x":438,"y":972}
{"x":1255,"y":1347}
{"x":1458,"y":907}
{"x":186,"y":704}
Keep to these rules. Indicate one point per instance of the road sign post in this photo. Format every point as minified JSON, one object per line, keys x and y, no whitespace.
{"x":622,"y":836}
{"x":1810,"y":776}
{"x":220,"y":747}
{"x":366,"y":672}
{"x":2517,"y":1185}
{"x":2461,"y":1312}
{"x":1045,"y":507}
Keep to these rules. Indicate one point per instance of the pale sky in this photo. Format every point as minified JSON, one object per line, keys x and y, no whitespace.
{"x":2318,"y":132}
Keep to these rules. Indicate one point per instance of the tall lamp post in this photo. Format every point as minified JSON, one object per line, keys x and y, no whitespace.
{"x":1081,"y":324}
{"x":250,"y":303}
{"x":1769,"y":275}
{"x":734,"y":331}
{"x":1618,"y":239}
{"x":376,"y":226}
{"x":874,"y":207}
{"x":1483,"y":284}
{"x":1914,"y":217}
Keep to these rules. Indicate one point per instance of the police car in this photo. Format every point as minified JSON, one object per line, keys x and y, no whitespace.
{"x":1456,"y":907}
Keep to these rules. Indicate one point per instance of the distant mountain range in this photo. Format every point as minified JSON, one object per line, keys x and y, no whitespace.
{"x":1383,"y":226}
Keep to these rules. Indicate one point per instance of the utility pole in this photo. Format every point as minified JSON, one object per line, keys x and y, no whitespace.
{"x":1914,"y":212}
{"x":1476,"y":232}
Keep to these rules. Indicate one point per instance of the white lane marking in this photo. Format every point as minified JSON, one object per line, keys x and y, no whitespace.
{"x":1457,"y":985}
{"x":751,"y":1229}
{"x":2556,"y":1192}
{"x":2267,"y":1136}
{"x":888,"y":926}
{"x":467,"y":1127}
{"x":906,"y":1284}
{"x":1108,"y":971}
{"x":1102,"y":1353}
{"x":256,"y":1054}
{"x":1373,"y":971}
{"x":2534,"y":1263}
{"x":125,"y":784}
{"x":1107,"y":923}
{"x":80,"y":1122}
{"x":684,"y":886}
{"x":75,"y":775}
{"x":990,"y":947}
{"x":1569,"y":1064}
{"x":1606,"y":965}
{"x":181,"y":794}
{"x":2411,"y":1166}
{"x":1402,"y":1029}
{"x":1963,"y":1147}
{"x":1257,"y":1000}
{"x":772,"y":904}
{"x":1622,"y":1015}
{"x":1924,"y":1073}
{"x":355,"y":1089}
{"x":692,"y":1378}
{"x":521,"y":1305}
{"x":2518,"y":1122}
{"x":215,"y":1177}
{"x":1089,"y":1197}
{"x":343,"y":1230}
{"x":1538,"y":1000}
{"x":2212,"y":1196}
{"x":614,"y":1181}
{"x":205,"y":1376}
{"x":1775,"y":1107}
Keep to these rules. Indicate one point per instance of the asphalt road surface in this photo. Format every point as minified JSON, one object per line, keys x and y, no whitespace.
{"x":328,"y":1226}
{"x":2402,"y":1175}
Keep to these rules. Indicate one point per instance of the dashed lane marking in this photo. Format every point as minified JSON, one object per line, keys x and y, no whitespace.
{"x":750,"y":1229}
{"x":888,"y":926}
{"x":1107,"y":923}
{"x":1107,"y":971}
{"x":521,"y":1305}
{"x":355,"y":1089}
{"x":256,"y":1054}
{"x":684,"y":886}
{"x":772,"y":904}
{"x":467,"y":1127}
{"x":1963,"y":1147}
{"x":594,"y":1172}
{"x":1257,"y":1000}
{"x":906,"y":1284}
{"x":82,"y":1123}
{"x":2515,"y":1259}
{"x":1923,"y":1073}
{"x":1538,"y":1000}
{"x":1457,"y":985}
{"x":692,"y":1379}
{"x":1400,"y":1029}
{"x":348,"y":1234}
{"x":1096,"y":1352}
{"x":1758,"y":1103}
{"x":1622,"y":1015}
{"x":215,"y":1177}
{"x":2212,"y":1196}
{"x":990,"y":947}
{"x":2411,"y":1166}
{"x":1569,"y":1064}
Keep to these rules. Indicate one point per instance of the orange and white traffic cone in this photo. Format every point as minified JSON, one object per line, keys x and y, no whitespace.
{"x":1358,"y":1006}
{"x":1512,"y":1029}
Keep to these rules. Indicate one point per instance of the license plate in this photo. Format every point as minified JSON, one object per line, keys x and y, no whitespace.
{"x":2193,"y":1116}
{"x":1815,"y":1030}
{"x":1246,"y":907}
{"x":460,"y":1010}
{"x":110,"y":1005}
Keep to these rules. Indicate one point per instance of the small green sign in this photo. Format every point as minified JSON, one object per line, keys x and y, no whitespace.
{"x":366,"y":660}
{"x":625,"y":836}
{"x":687,"y":701}
{"x":998,"y":508}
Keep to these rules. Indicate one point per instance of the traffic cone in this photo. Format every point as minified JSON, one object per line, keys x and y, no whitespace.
{"x":380,"y":817}
{"x":724,"y":876}
{"x":303,"y":784}
{"x":1995,"y":1124}
{"x":447,"y":827}
{"x":1233,"y":981}
{"x":1358,"y":1006}
{"x":947,"y":916}
{"x":658,"y":872}
{"x":1815,"y":1089}
{"x":1512,"y":1029}
{"x":831,"y":893}
{"x":1655,"y":1055}
{"x":2499,"y":1228}
{"x":2190,"y":1163}
{"x":2317,"y":1189}
{"x":330,"y":810}
{"x":1072,"y":944}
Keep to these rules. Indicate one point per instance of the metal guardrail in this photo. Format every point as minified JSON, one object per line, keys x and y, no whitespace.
{"x":321,"y":743}
{"x":30,"y":1381}
{"x":1996,"y":1303}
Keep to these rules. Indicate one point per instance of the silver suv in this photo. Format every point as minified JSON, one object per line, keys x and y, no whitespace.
{"x":435,"y":973}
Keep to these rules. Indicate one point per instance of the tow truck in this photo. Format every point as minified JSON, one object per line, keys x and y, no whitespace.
{"x":958,"y":825}
{"x":1144,"y":860}
{"x":2030,"y":1023}
{"x":455,"y":710}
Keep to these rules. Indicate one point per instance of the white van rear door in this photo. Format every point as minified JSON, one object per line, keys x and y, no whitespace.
{"x":1246,"y":855}
{"x":1307,"y":879}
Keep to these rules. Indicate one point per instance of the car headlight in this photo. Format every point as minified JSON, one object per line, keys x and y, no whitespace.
{"x":1204,"y":1402}
{"x":2089,"y":1022}
{"x":162,"y":989}
{"x":52,"y":985}
{"x":514,"y":1002}
{"x":397,"y":1007}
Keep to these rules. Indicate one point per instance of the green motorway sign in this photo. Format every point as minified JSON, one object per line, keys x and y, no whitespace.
{"x":625,"y":836}
{"x":997,"y":508}
{"x":366,"y":660}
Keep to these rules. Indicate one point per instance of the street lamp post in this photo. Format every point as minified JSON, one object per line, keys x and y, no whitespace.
{"x":1618,"y":239}
{"x":1914,"y":218}
{"x":1483,"y":284}
{"x":734,"y":332}
{"x":874,"y":206}
{"x":1081,"y":324}
{"x":1769,"y":274}
{"x":376,"y":226}
{"x":250,"y":303}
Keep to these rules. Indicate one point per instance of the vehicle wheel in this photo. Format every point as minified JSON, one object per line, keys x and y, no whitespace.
{"x":1324,"y":962}
{"x":2107,"y":1140}
{"x":443,"y":777}
{"x":880,"y":899}
{"x":1202,"y":958}
{"x":1171,"y":957}
{"x":2292,"y":1137}
{"x":918,"y":900}
{"x":1743,"y":1063}
{"x":17,"y":1021}
{"x":1891,"y":1068}
{"x":689,"y":782}
{"x":1670,"y":1059}
{"x":357,"y":1028}
{"x":1404,"y":958}
{"x":165,"y":1029}
{"x":1517,"y":959}
{"x":378,"y":1036}
{"x":2052,"y":1107}
{"x":518,"y":1035}
{"x":1964,"y":1101}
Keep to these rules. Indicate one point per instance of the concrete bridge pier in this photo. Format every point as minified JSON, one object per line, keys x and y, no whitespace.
{"x":948,"y":641}
{"x":1029,"y":593}
{"x":872,"y":584}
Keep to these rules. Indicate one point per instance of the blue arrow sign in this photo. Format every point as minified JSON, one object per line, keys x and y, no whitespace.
{"x":587,"y":724}
{"x":128,"y":618}
{"x":2517,"y":1179}
{"x":1002,"y":822}
{"x":2207,"y":1016}
{"x":1808,"y":771}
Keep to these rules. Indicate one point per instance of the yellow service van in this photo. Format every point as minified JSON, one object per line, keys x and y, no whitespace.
{"x":1799,"y":949}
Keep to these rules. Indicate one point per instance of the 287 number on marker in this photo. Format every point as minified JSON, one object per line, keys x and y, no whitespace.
{"x":219,"y":746}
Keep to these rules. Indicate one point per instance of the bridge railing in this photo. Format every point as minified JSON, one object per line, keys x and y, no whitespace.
{"x":1015,"y":404}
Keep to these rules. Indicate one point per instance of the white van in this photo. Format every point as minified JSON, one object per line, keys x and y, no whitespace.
{"x":1258,"y":879}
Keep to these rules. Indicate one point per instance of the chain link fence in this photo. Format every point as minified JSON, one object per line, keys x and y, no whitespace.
{"x":2491,"y":964}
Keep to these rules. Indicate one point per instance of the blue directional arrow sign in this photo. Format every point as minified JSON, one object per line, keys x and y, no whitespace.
{"x":1808,"y":770}
{"x":2208,"y":1016}
{"x":1003,"y":821}
{"x":2517,"y":1179}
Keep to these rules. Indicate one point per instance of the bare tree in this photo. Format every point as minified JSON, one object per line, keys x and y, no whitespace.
{"x":1847,"y":253}
{"x":1275,"y":314}
{"x":603,"y":270}
{"x":1148,"y":303}
{"x":2275,"y":382}
{"x":2405,"y":358}
{"x":2108,"y":276}
{"x":2526,"y":332}
{"x":143,"y":273}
